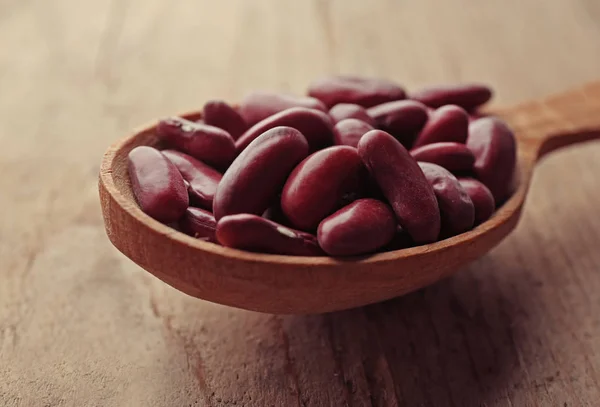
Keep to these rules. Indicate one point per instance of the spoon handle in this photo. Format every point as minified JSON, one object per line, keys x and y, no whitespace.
{"x":545,"y":125}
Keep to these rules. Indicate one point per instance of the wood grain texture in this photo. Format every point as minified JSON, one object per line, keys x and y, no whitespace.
{"x":80,"y":325}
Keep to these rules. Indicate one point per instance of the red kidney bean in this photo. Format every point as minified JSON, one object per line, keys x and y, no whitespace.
{"x":199,"y":223}
{"x":209,"y":144}
{"x":343,"y":111}
{"x":456,"y":208}
{"x":315,"y":125}
{"x":220,"y":114}
{"x":454,"y":157}
{"x":482,"y":198}
{"x":448,"y":123}
{"x":251,"y":183}
{"x":349,"y":131}
{"x":259,"y":105}
{"x":359,"y":228}
{"x":202,"y":180}
{"x":468,"y":96}
{"x":318,"y":185}
{"x":495,"y":150}
{"x":403,"y":184}
{"x":403,"y":119}
{"x":366,"y":92}
{"x":400,"y":241}
{"x":275,"y":214}
{"x":253,"y":233}
{"x":157,"y":185}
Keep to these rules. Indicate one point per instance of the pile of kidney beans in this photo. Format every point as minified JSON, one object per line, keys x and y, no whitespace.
{"x":356,"y":167}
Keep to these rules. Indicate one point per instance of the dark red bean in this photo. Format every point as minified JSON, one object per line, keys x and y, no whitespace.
{"x":454,"y":157}
{"x":220,"y":114}
{"x":315,"y":125}
{"x":259,"y":105}
{"x":202,"y":180}
{"x":365,"y":92}
{"x":199,"y":223}
{"x":359,"y":228}
{"x":403,"y":184}
{"x":401,"y":240}
{"x":482,"y":198}
{"x":349,"y":131}
{"x":456,"y":208}
{"x":468,"y":95}
{"x":494,"y":146}
{"x":448,"y":123}
{"x":343,"y":111}
{"x":403,"y":119}
{"x":251,"y":183}
{"x":253,"y":233}
{"x":208,"y":144}
{"x":157,"y":185}
{"x":319,"y":184}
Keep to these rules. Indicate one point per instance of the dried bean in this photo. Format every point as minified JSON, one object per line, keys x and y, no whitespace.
{"x":202,"y":180}
{"x":259,"y":105}
{"x":315,"y":125}
{"x":403,"y":119}
{"x":365,"y":92}
{"x":251,"y":183}
{"x":318,"y":185}
{"x":208,"y":144}
{"x":454,"y":157}
{"x":220,"y":114}
{"x":482,"y":198}
{"x":343,"y":111}
{"x":157,"y":185}
{"x":253,"y":233}
{"x":349,"y":131}
{"x":448,"y":123}
{"x":495,"y":150}
{"x":456,"y":208}
{"x":199,"y":223}
{"x":468,"y":96}
{"x":403,"y":184}
{"x":359,"y":228}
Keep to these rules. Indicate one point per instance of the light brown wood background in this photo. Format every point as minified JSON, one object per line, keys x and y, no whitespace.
{"x":80,"y":325}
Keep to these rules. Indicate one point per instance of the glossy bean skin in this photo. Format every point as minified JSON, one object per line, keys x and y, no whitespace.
{"x":157,"y":185}
{"x":456,"y":208}
{"x":403,"y":119}
{"x":361,"y":227}
{"x":199,"y":223}
{"x":448,"y":123}
{"x":455,"y":157}
{"x":318,"y":185}
{"x":403,"y":184}
{"x":220,"y":114}
{"x":259,"y":105}
{"x":315,"y":125}
{"x":208,"y":144}
{"x":252,"y":182}
{"x":365,"y":92}
{"x":349,"y":131}
{"x":202,"y":180}
{"x":495,"y":149}
{"x":343,"y":111}
{"x":253,"y":233}
{"x":468,"y":95}
{"x":482,"y":198}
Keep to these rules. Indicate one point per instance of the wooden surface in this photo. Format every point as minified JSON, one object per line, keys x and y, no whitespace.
{"x":80,"y":325}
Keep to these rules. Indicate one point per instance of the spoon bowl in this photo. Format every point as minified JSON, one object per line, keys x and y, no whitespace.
{"x":303,"y":285}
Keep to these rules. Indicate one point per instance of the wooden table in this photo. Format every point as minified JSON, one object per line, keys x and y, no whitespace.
{"x":81,"y":325}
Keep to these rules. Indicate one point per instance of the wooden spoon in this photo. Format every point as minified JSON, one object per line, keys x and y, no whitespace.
{"x":299,"y":285}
